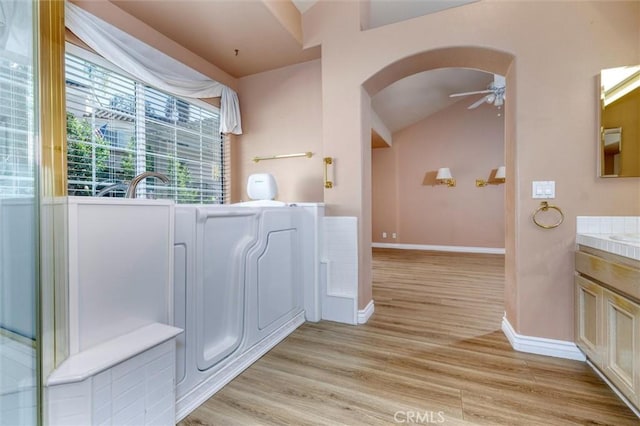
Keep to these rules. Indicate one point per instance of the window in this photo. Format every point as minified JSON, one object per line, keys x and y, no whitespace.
{"x":118,"y":127}
{"x":16,"y":118}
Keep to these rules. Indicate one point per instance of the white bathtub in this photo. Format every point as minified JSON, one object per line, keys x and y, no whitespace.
{"x":244,"y":277}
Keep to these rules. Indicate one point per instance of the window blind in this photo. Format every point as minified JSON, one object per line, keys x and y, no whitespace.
{"x":16,"y":143}
{"x":118,"y":127}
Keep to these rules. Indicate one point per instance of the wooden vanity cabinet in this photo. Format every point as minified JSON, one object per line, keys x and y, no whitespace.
{"x":589,"y":321}
{"x":607,"y":320}
{"x":622,"y":344}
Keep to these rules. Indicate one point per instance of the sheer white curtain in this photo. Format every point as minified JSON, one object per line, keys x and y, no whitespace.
{"x":152,"y":66}
{"x":15,"y":30}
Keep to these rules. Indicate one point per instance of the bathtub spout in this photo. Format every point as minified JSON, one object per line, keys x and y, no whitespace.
{"x":131,"y":191}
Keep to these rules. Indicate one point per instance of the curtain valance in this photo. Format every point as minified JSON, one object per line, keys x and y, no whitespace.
{"x":152,"y":66}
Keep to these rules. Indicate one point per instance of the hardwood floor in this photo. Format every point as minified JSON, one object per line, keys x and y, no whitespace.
{"x":432,"y":353}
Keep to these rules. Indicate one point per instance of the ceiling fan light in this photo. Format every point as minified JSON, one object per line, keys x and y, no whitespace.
{"x":491,"y":98}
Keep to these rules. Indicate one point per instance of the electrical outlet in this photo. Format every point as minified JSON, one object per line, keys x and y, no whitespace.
{"x":384,"y":235}
{"x":393,"y":235}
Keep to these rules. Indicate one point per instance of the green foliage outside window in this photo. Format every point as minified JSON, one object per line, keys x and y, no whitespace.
{"x":83,"y":145}
{"x":182,"y":177}
{"x":128,"y":165}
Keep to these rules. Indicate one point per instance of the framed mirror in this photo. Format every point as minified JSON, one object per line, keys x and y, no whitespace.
{"x":619,"y":141}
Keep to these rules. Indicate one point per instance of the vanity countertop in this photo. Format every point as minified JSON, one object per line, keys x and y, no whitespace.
{"x":613,"y":234}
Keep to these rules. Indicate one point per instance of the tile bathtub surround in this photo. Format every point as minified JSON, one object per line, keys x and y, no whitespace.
{"x":595,"y":232}
{"x":140,"y":391}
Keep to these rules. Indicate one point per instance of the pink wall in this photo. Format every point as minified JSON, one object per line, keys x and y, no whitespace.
{"x":471,"y":143}
{"x":384,"y":197}
{"x":556,"y":49}
{"x":281,"y":114}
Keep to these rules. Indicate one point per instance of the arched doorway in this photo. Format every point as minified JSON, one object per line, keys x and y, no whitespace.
{"x":480,"y":58}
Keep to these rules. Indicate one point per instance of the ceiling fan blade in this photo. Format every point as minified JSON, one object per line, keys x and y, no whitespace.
{"x":478,"y":102}
{"x":477,"y":92}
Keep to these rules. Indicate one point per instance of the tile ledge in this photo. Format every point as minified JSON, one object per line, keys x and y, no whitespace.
{"x":94,"y":360}
{"x":605,"y":243}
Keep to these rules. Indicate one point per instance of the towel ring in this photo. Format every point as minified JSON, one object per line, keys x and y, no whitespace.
{"x":545,"y":206}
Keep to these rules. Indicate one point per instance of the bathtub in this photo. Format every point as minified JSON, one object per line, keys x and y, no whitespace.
{"x":245,"y":277}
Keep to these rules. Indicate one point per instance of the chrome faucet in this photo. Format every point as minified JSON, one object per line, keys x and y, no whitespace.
{"x":131,"y":191}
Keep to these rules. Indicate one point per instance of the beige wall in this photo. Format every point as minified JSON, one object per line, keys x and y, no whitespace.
{"x":281,"y":115}
{"x":471,"y":143}
{"x":384,"y":197}
{"x":550,"y":128}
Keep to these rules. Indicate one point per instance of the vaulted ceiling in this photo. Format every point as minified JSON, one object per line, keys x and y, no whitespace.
{"x":240,"y":37}
{"x":244,"y":38}
{"x":413,"y":98}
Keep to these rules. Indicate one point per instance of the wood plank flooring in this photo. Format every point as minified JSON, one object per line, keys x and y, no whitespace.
{"x":432,"y":353}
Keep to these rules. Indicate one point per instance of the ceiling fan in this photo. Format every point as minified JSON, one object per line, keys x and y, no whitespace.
{"x":494,"y":94}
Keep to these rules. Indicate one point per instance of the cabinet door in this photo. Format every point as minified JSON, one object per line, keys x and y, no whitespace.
{"x":622,"y":343}
{"x":589,"y":324}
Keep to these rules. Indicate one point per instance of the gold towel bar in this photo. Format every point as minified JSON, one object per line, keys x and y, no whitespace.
{"x":277,"y":157}
{"x":545,"y":206}
{"x":327,"y":162}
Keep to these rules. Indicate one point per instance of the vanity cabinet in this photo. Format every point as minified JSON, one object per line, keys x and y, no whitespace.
{"x":607,"y":321}
{"x":589,"y":321}
{"x":622,"y":344}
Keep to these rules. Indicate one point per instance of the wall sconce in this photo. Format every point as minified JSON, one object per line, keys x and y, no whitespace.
{"x":444,"y":177}
{"x":496,"y":179}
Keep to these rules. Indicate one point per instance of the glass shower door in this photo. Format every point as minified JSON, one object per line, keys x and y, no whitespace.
{"x":18,"y":208}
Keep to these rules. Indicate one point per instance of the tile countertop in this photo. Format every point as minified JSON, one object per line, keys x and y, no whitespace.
{"x":596,"y":232}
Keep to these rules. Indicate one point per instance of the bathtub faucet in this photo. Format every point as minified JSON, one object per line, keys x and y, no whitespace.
{"x":131,"y":191}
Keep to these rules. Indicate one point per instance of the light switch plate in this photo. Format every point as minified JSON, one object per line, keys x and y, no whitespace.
{"x":543,"y":189}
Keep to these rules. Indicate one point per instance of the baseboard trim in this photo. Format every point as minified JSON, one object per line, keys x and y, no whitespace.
{"x":365,"y":314}
{"x":541,"y":345}
{"x":458,"y":249}
{"x":613,"y":388}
